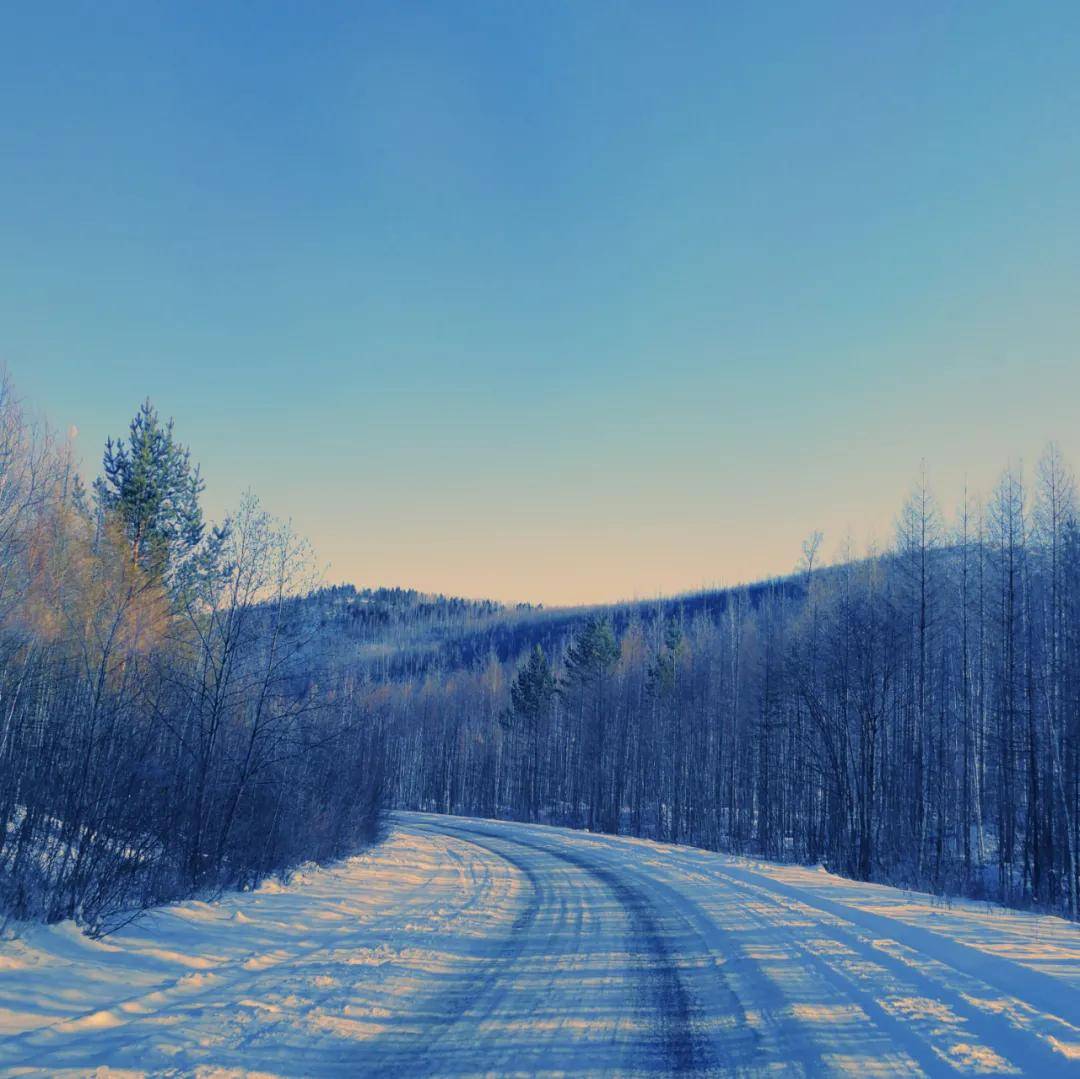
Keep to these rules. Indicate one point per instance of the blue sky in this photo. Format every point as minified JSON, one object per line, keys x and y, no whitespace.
{"x":560,"y":302}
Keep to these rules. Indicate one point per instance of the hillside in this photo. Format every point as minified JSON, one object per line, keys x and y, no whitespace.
{"x":396,"y":633}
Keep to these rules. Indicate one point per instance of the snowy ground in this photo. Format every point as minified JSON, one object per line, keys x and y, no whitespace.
{"x":464,"y":947}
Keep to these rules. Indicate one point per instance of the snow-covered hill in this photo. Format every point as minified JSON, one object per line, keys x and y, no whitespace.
{"x":463,"y":947}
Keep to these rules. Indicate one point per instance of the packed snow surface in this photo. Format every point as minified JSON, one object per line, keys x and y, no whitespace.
{"x":464,"y":947}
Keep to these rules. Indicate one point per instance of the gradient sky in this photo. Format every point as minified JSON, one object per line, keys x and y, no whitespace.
{"x":551,"y":301}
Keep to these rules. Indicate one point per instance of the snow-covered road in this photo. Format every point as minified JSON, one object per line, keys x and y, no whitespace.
{"x":462,"y":947}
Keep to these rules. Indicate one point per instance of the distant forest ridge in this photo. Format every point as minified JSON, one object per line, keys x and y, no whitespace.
{"x":401,"y":632}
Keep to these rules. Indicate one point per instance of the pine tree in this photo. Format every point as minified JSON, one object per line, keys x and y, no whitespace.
{"x":533,"y":690}
{"x":589,"y":662}
{"x":152,"y":490}
{"x":661,"y":674}
{"x":660,"y":681}
{"x":532,"y":694}
{"x":593,"y":653}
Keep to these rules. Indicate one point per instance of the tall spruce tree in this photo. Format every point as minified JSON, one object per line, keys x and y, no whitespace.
{"x":532,"y":694}
{"x":151,"y":488}
{"x":673,"y":763}
{"x":593,"y":653}
{"x":533,"y":690}
{"x":589,"y":663}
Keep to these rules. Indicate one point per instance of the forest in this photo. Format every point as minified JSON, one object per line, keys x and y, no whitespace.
{"x":160,"y":735}
{"x":909,"y":715}
{"x":185,"y":707}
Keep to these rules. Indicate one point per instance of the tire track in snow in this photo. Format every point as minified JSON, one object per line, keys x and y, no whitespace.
{"x":875,"y":970}
{"x":664,"y":1000}
{"x":942,"y":1003}
{"x":476,"y":988}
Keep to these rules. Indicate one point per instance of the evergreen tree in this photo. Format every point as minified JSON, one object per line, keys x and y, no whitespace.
{"x":533,"y":690}
{"x":151,"y":488}
{"x":532,"y":694}
{"x":660,"y":678}
{"x":589,"y":663}
{"x":593,"y":653}
{"x":660,"y":684}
